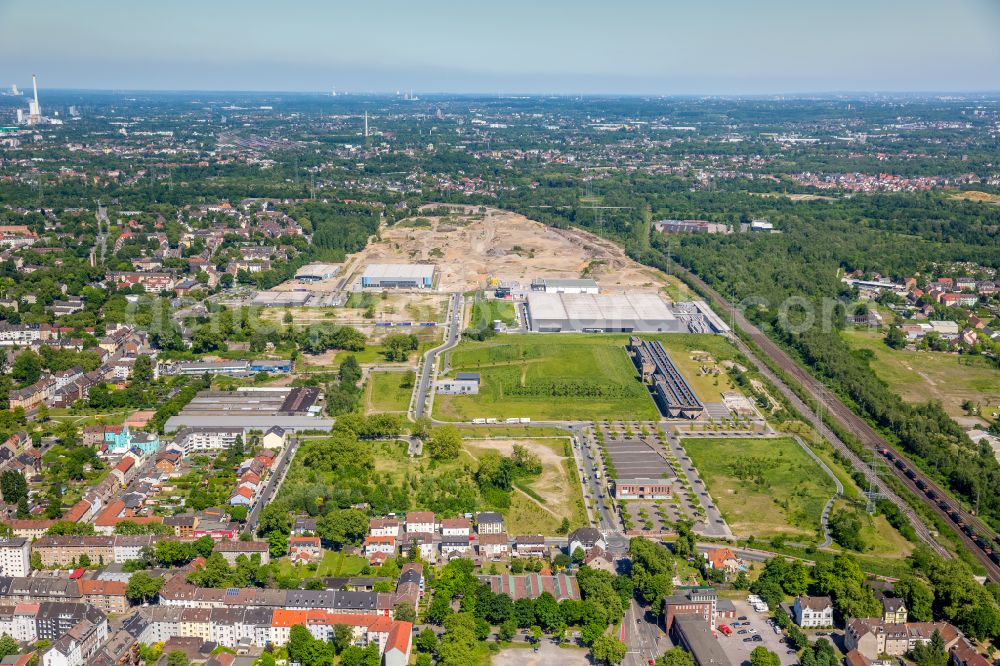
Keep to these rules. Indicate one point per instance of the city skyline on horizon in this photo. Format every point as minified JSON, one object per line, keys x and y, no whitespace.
{"x":24,"y":91}
{"x":677,"y":49}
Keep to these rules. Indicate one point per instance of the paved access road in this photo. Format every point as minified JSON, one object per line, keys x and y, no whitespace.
{"x":596,"y":494}
{"x":549,"y":654}
{"x":453,"y":334}
{"x":644,"y":637}
{"x":715,"y":525}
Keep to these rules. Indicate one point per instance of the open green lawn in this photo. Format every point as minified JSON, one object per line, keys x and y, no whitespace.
{"x":562,"y":377}
{"x":764,"y":487}
{"x":923,"y":376}
{"x":386,"y":393}
{"x":89,"y":417}
{"x":486,"y":311}
{"x":571,"y":376}
{"x":334,"y":563}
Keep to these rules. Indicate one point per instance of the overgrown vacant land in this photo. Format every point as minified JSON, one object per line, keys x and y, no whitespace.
{"x":974,"y":195}
{"x":883,"y":542}
{"x":764,"y":487}
{"x":922,"y":376}
{"x":486,"y":311}
{"x":540,"y":504}
{"x":368,"y":307}
{"x":382,"y":474}
{"x":389,"y":391}
{"x":374,"y":352}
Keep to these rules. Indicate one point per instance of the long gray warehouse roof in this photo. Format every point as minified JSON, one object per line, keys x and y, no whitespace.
{"x":566,"y":282}
{"x":296,"y":423}
{"x":318,"y":271}
{"x":704,"y":647}
{"x":399,"y":271}
{"x":598,"y":307}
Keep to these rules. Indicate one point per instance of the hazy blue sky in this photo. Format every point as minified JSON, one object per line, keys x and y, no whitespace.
{"x":561,"y":46}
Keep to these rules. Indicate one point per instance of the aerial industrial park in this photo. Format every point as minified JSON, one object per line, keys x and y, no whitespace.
{"x":628,"y":376}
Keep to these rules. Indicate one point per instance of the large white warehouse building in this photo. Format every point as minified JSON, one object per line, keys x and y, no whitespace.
{"x":398,"y":276}
{"x":317,"y":272}
{"x":600,"y":313}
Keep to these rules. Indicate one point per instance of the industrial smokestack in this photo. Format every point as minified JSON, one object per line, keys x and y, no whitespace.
{"x":34,"y":82}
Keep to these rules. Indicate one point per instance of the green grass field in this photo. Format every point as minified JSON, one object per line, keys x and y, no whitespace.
{"x":764,"y":487}
{"x":571,"y":376}
{"x":485,"y":312}
{"x":560,"y":376}
{"x":385,"y":392}
{"x":923,"y":376}
{"x":334,"y":563}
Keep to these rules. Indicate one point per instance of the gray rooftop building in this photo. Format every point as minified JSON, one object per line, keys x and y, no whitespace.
{"x":600,"y":313}
{"x":565,"y":285}
{"x":398,"y":276}
{"x":695,"y":635}
{"x":292,"y":409}
{"x":248,"y":422}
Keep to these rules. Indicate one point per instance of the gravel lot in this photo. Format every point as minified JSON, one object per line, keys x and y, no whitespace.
{"x":549,"y":654}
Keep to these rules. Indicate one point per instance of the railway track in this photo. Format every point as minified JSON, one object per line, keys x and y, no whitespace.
{"x":965,"y":525}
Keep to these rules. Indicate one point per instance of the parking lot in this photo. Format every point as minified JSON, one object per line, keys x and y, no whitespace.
{"x":636,"y":458}
{"x":738,"y":650}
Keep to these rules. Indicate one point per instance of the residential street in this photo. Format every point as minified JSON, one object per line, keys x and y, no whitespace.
{"x":274,"y":482}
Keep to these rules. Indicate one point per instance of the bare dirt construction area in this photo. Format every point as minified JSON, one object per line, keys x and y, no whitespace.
{"x":470,"y":247}
{"x":370,"y":308}
{"x":316,"y":287}
{"x":975,"y":195}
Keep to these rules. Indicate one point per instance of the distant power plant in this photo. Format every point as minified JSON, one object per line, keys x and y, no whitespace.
{"x":34,"y":108}
{"x":34,"y":116}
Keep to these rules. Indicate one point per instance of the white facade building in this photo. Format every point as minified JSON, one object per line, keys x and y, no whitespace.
{"x":15,"y":557}
{"x":813,"y":611}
